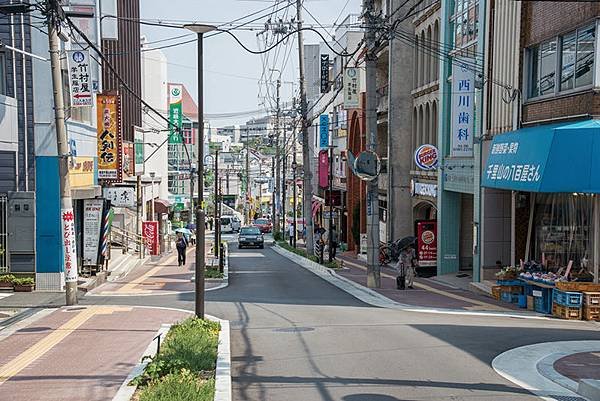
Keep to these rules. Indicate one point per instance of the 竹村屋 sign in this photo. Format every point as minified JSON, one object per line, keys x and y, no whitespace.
{"x":175,"y":113}
{"x":351,"y":88}
{"x":69,"y":241}
{"x":463,"y":102}
{"x":109,"y":138}
{"x":426,"y":157}
{"x":120,"y":196}
{"x":150,"y":234}
{"x":138,"y":139}
{"x":324,"y":131}
{"x":80,"y":80}
{"x":92,"y":223}
{"x":324,"y":73}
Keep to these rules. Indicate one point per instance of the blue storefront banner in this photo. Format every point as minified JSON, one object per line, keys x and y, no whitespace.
{"x":324,"y":131}
{"x":546,"y":158}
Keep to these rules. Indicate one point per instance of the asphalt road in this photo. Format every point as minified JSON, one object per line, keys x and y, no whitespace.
{"x":295,"y":337}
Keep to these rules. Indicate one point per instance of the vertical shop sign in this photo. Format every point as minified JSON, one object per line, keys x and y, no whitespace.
{"x":175,"y":113}
{"x":92,"y":223}
{"x":324,"y":131}
{"x":109,"y":138}
{"x":463,"y":99}
{"x":150,"y":234}
{"x":69,"y":254}
{"x":138,"y":139}
{"x":427,"y":243}
{"x":80,"y":82}
{"x":324,"y":73}
{"x":323,"y":169}
{"x":351,"y":88}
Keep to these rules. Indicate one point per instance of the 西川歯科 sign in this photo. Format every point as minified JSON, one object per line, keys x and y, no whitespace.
{"x":463,"y":106}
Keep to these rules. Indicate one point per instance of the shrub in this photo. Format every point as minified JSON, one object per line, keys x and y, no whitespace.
{"x":213,"y":273}
{"x":7,"y":278}
{"x":277,"y":236}
{"x":23,"y":281}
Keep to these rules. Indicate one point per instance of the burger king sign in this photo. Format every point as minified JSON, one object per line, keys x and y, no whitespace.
{"x":426,"y":157}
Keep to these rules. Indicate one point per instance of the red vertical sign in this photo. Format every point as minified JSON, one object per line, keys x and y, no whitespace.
{"x":150,"y":234}
{"x":427,"y":243}
{"x":323,"y":169}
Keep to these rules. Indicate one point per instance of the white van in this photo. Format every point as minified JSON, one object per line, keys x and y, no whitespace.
{"x":230,"y":224}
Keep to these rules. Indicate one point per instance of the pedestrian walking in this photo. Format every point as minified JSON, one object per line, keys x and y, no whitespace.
{"x":406,"y":268}
{"x":181,"y":245}
{"x":210,"y":224}
{"x":291,"y":231}
{"x":334,"y":241}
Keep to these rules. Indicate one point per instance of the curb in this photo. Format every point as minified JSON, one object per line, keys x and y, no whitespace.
{"x":374,"y":298}
{"x":222,"y":371}
{"x":225,"y":279}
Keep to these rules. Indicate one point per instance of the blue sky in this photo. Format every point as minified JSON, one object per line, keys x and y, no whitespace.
{"x":231,"y":73}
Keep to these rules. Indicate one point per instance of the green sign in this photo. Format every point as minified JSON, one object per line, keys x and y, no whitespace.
{"x":176,"y":120}
{"x":178,"y":207}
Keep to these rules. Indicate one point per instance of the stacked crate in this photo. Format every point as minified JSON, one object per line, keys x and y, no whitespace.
{"x":591,"y":306}
{"x":567,"y":304}
{"x":510,"y":290}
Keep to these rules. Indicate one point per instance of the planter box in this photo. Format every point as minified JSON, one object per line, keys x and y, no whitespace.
{"x":24,"y":288}
{"x":6,"y":286}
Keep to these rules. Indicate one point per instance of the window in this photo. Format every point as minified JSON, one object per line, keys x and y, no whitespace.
{"x":572,"y":54}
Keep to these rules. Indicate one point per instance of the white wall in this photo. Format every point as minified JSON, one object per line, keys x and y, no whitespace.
{"x":155,"y":92}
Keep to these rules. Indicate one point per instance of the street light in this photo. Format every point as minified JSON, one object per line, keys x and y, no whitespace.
{"x":200,"y":30}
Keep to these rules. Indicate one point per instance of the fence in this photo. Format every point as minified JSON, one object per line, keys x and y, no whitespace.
{"x":3,"y":234}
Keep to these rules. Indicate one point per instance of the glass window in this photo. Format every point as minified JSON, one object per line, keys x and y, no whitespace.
{"x":567,"y":68}
{"x":547,"y":67}
{"x":585,"y":56}
{"x":249,"y":231}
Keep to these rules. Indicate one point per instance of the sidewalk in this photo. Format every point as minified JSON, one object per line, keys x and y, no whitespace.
{"x":80,"y":353}
{"x":427,"y":292}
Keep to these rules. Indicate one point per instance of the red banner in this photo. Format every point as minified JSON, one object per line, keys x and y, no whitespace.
{"x":427,"y":243}
{"x":323,"y":169}
{"x":151,"y":236}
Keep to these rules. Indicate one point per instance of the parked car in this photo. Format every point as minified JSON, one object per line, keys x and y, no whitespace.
{"x":232,"y":220}
{"x":263,"y":225}
{"x":251,"y":236}
{"x":226,"y":224}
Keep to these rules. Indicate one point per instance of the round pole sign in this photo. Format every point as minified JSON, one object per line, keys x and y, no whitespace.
{"x":426,"y":157}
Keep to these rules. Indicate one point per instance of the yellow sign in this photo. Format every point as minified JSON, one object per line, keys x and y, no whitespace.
{"x":81,"y":172}
{"x":109,"y":141}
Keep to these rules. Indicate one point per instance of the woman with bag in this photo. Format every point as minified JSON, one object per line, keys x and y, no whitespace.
{"x":181,"y":245}
{"x":406,"y":268}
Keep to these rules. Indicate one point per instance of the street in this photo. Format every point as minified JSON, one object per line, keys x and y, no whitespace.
{"x":296,"y":337}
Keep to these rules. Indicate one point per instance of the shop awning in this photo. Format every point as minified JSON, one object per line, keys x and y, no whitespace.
{"x":161,"y":206}
{"x":546,"y":158}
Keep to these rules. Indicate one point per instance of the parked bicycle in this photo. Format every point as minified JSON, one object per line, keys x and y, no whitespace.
{"x":389,"y":252}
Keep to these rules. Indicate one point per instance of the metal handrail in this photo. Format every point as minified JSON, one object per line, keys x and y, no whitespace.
{"x":127,"y":237}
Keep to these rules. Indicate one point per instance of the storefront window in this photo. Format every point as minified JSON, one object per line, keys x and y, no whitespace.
{"x":563,"y":230}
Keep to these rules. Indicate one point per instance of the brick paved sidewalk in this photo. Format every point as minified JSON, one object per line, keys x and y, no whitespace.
{"x":156,"y":278}
{"x":427,"y":292}
{"x":584,"y":365}
{"x":77,"y":354}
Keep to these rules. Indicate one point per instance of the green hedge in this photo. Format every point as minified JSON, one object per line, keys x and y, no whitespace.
{"x":185,"y":367}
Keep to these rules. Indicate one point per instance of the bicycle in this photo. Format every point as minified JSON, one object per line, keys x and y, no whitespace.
{"x":389,"y":252}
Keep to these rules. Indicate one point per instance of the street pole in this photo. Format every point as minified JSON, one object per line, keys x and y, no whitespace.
{"x":217,"y":216}
{"x":276,"y":225}
{"x":201,"y":229}
{"x":373,"y":268}
{"x":66,"y":204}
{"x":307,"y":188}
{"x":152,"y":195}
{"x":247,"y":205}
{"x":283,"y":182}
{"x":274,"y":192}
{"x":192,"y":172}
{"x":138,"y":215}
{"x":295,"y":189}
{"x":330,"y":200}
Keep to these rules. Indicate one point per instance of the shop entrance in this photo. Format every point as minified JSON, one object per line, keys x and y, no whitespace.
{"x":466,"y":234}
{"x":425,"y":230}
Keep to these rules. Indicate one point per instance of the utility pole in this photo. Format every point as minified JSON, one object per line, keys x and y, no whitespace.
{"x":294,"y":191}
{"x":307,"y":188}
{"x":66,"y":204}
{"x":273,"y":208}
{"x":247,"y":204}
{"x":330,"y":198}
{"x":138,"y":213}
{"x":373,"y":268}
{"x":191,"y":215}
{"x":276,"y":226}
{"x":217,"y":216}
{"x":283,"y":183}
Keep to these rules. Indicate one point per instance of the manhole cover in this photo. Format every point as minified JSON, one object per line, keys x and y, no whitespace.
{"x":294,"y":329}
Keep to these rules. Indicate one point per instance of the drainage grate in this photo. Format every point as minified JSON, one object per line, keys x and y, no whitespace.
{"x":566,"y":398}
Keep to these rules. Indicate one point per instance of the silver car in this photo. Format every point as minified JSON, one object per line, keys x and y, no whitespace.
{"x":250,"y":236}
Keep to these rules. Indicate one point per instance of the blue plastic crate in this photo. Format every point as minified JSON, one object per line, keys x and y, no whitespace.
{"x":510,"y":282}
{"x":567,"y":298}
{"x":541,"y":304}
{"x":509,"y":297}
{"x":522,"y":301}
